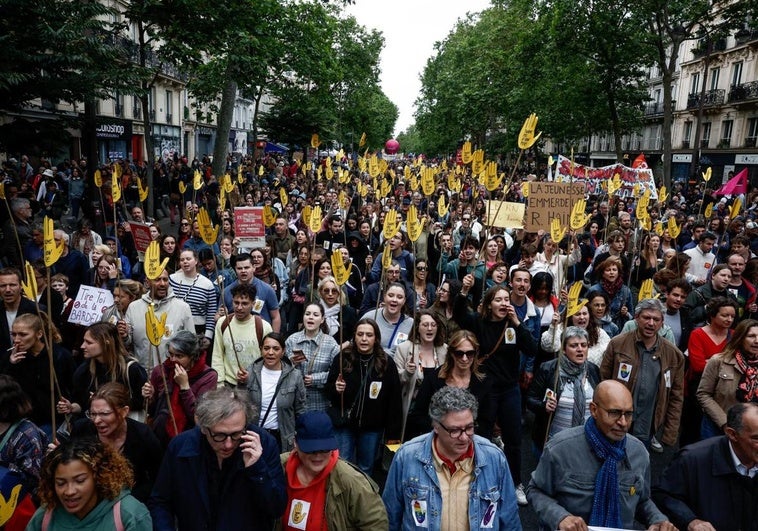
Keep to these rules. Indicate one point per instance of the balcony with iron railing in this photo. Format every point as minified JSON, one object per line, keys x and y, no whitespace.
{"x":744,"y":92}
{"x":654,"y":109}
{"x":745,"y":35}
{"x":712,"y":98}
{"x":152,"y":59}
{"x":750,"y":142}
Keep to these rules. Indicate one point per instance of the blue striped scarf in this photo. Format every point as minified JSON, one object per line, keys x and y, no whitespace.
{"x":606,"y":504}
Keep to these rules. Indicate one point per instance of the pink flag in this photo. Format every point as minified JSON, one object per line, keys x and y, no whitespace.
{"x":735,"y":186}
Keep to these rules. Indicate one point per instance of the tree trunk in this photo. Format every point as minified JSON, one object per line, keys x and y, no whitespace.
{"x":90,"y":140}
{"x":150,"y":155}
{"x":225,"y":115}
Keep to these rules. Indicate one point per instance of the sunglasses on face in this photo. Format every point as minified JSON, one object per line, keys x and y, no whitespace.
{"x":468,"y":353}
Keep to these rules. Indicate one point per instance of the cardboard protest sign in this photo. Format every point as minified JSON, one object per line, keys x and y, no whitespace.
{"x":548,"y":200}
{"x":505,"y":214}
{"x":89,"y":305}
{"x":141,"y":235}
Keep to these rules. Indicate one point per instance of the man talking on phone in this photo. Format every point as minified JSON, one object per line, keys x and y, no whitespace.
{"x":223,"y":474}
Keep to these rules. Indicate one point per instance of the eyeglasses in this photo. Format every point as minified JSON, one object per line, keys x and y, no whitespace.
{"x":443,"y":290}
{"x":616,"y":414}
{"x":330,"y":291}
{"x":467,"y":353}
{"x":456,"y":433}
{"x":221,"y":437}
{"x":182,"y":223}
{"x":422,"y":268}
{"x":466,"y":219}
{"x":94,"y":414}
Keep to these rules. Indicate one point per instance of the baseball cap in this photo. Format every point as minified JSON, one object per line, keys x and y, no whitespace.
{"x":314,"y":432}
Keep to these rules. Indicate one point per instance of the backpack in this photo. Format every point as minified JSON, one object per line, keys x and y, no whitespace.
{"x":258,"y":326}
{"x":118,"y":524}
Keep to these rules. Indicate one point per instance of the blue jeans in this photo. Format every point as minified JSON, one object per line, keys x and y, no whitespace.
{"x":367,"y":445}
{"x":505,"y":406}
{"x":709,"y":429}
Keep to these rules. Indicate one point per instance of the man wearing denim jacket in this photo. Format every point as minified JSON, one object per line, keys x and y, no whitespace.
{"x":451,"y":478}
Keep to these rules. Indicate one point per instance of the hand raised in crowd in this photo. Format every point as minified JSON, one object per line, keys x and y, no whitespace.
{"x":181,"y":377}
{"x":251,"y":447}
{"x":468,"y":282}
{"x":340,"y":384}
{"x":17,"y":356}
{"x":242,"y":376}
{"x":148,"y":390}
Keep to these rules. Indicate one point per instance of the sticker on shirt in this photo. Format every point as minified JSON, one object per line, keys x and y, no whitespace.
{"x":667,"y":378}
{"x":625,"y":371}
{"x":258,"y":306}
{"x":419,"y":513}
{"x":113,"y":320}
{"x":169,"y":331}
{"x":510,"y":336}
{"x":549,"y":393}
{"x":401,"y":338}
{"x":325,"y":245}
{"x":488,"y":519}
{"x":298,"y":517}
{"x":373,"y":391}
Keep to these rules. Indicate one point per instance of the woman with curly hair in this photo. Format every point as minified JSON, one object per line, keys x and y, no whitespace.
{"x":365,"y":397}
{"x":84,"y":486}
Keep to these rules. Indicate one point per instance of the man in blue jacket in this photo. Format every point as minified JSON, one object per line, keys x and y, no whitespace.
{"x":451,"y":478}
{"x":225,"y":474}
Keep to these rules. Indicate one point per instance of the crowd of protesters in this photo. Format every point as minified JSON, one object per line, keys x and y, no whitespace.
{"x":265,"y":352}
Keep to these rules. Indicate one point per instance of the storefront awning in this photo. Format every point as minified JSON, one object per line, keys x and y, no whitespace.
{"x":275,"y":148}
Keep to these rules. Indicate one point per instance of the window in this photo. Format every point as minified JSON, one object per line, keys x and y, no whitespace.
{"x":118,"y":104}
{"x":658,"y":137}
{"x":706,"y":137}
{"x":714,"y":82}
{"x":752,"y":132}
{"x":695,"y":83}
{"x":737,"y":73}
{"x":726,"y":133}
{"x":169,"y":106}
{"x":136,"y":107}
{"x":687,"y":131}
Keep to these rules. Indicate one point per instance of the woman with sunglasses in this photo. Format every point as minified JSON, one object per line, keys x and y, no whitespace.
{"x":108,"y":422}
{"x":504,"y":339}
{"x":420,"y":356}
{"x":425,"y":290}
{"x":461,"y":368}
{"x":184,"y":233}
{"x":443,"y":305}
{"x":340,"y":317}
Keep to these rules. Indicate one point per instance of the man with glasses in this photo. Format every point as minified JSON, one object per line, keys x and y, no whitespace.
{"x":223,"y":474}
{"x":468,"y":227}
{"x":432,"y":475}
{"x":596,"y":474}
{"x":652,"y":368}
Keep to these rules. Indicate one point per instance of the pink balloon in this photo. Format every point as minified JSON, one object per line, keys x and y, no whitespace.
{"x":391,"y":146}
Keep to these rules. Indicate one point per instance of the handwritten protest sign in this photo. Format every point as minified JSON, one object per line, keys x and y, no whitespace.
{"x":89,"y":305}
{"x":548,"y":200}
{"x":505,"y":214}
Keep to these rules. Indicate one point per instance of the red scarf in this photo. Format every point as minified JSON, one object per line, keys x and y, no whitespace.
{"x":176,"y":405}
{"x":611,"y":288}
{"x":747,"y":389}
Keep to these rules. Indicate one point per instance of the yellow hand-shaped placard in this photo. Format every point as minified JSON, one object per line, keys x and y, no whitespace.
{"x":142,"y":191}
{"x":707,"y":174}
{"x":574,"y":303}
{"x":646,"y":290}
{"x":30,"y":286}
{"x":736,"y":207}
{"x":115,"y":187}
{"x":663,"y":194}
{"x":283,"y":197}
{"x":674,"y":228}
{"x":427,"y":181}
{"x":442,"y":207}
{"x":51,"y":251}
{"x":98,"y":178}
{"x":341,"y":274}
{"x":525,"y":188}
{"x":182,"y":187}
{"x":557,"y":232}
{"x":362,"y":141}
{"x":207,"y":231}
{"x":391,"y":225}
{"x":8,"y":507}
{"x":197,"y":180}
{"x":526,"y":137}
{"x":386,"y":257}
{"x":269,"y":218}
{"x":228,"y":184}
{"x":155,"y":328}
{"x":413,"y":224}
{"x":315,"y":222}
{"x":708,"y":211}
{"x":315,"y":141}
{"x":578,"y":218}
{"x":153,"y":265}
{"x":466,"y":155}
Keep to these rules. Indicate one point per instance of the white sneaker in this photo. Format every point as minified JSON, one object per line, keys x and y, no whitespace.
{"x":656,"y":446}
{"x":521,"y":495}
